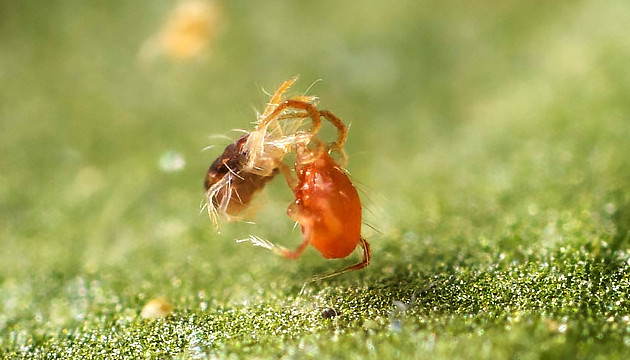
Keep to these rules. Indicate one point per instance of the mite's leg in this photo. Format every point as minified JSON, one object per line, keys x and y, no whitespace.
{"x":367,"y":256}
{"x":342,"y":133}
{"x":282,"y":251}
{"x":341,"y":128}
{"x":293,"y":104}
{"x":285,"y":170}
{"x":277,"y":249}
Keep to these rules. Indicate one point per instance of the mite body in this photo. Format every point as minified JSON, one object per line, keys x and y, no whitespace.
{"x":327,"y":207}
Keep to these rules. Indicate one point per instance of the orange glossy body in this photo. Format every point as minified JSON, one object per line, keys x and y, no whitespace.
{"x":327,"y":207}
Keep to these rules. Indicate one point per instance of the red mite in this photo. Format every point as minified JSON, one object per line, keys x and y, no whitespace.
{"x":328,"y":209}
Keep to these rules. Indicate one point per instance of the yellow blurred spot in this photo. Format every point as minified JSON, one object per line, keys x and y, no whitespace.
{"x":187,"y":33}
{"x":156,"y":309}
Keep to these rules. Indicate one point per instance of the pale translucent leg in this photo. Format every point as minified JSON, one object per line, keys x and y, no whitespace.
{"x":278,"y":249}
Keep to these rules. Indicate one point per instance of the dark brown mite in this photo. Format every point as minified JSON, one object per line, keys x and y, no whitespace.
{"x":243,"y":184}
{"x":329,"y":313}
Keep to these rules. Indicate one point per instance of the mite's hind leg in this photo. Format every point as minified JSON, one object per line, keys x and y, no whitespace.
{"x":367,"y":256}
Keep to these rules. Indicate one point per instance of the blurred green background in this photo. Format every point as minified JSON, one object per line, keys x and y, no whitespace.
{"x":489,"y":141}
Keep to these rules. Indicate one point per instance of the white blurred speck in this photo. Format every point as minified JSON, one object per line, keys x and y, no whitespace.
{"x":562,"y":328}
{"x":396,"y":325}
{"x":172,"y":161}
{"x":610,"y":208}
{"x":410,"y":236}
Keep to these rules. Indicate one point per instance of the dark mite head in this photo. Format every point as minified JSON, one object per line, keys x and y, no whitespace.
{"x":329,"y":313}
{"x":232,"y":159}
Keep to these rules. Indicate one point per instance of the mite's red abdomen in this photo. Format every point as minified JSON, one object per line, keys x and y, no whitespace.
{"x":328,"y":207}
